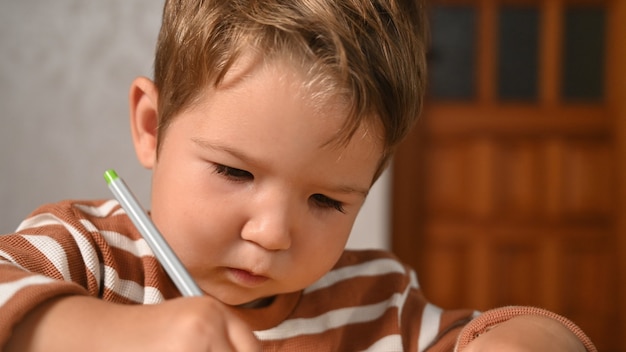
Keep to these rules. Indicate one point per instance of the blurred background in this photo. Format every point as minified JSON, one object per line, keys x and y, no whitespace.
{"x":65,"y":70}
{"x":512,"y":189}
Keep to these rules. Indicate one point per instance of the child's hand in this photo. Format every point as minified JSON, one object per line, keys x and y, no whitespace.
{"x":197,"y":324}
{"x":87,"y":324}
{"x":527,"y":333}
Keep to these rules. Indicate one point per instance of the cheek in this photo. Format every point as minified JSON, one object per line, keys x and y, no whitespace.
{"x":177,"y":212}
{"x":318,"y":261}
{"x":199,"y":233}
{"x":322,"y":248}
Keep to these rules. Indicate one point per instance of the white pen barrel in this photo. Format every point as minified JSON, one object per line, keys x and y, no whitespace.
{"x":163,"y":252}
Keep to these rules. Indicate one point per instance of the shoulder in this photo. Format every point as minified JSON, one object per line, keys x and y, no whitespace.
{"x":91,"y":208}
{"x":79,"y":216}
{"x":71,"y":209}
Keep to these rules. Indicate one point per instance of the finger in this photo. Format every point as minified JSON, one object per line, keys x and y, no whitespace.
{"x":242,"y":338}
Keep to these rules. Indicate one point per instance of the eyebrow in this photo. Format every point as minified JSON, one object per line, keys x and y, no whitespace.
{"x":349,"y":190}
{"x":222,"y":148}
{"x":247,"y":159}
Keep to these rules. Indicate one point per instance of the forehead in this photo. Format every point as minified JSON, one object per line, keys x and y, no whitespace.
{"x":320,"y":89}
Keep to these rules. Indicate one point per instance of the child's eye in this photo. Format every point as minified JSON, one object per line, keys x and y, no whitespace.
{"x":323,"y":201}
{"x":233,"y":174}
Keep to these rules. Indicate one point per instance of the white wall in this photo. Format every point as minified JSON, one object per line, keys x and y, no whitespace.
{"x":65,"y":69}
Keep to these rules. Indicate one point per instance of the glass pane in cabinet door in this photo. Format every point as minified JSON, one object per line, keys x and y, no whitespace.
{"x":452,"y":55}
{"x":518,"y":48}
{"x":584,"y":54}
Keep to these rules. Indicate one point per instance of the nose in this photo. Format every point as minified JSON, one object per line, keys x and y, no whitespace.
{"x":270,"y":223}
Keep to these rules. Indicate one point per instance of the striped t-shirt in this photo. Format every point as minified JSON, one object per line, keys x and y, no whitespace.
{"x":368,"y":302}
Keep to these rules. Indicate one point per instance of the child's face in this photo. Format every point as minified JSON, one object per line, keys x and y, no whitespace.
{"x":249,"y":192}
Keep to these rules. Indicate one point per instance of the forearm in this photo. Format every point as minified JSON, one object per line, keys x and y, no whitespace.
{"x":79,"y":323}
{"x":527,"y":333}
{"x":70,"y":323}
{"x":532,"y":328}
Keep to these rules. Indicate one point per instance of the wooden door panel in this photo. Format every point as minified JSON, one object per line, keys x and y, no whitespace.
{"x":525,"y":178}
{"x":587,"y":184}
{"x":448,"y":283}
{"x":590,"y":294}
{"x":522,"y":201}
{"x":514,"y":269}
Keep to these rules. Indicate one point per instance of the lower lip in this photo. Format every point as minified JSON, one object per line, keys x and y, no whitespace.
{"x":246,"y":278}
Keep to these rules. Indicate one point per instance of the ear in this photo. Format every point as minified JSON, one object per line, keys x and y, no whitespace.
{"x":143,"y":97}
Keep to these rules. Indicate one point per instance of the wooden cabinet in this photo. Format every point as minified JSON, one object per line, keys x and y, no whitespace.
{"x":512,"y":188}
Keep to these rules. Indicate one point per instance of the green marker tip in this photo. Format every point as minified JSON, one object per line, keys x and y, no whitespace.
{"x":110,"y":175}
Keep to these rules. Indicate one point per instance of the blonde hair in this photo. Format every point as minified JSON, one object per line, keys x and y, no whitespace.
{"x":370,"y":51}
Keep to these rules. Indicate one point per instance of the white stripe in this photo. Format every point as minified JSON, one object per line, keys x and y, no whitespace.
{"x":401,"y":302}
{"x":138,"y":248}
{"x":389,"y":343}
{"x":6,"y":256}
{"x":90,"y":257}
{"x":53,"y":251}
{"x":130,"y":289}
{"x":89,"y":226}
{"x":370,"y":268}
{"x":414,"y":283}
{"x":39,"y":220}
{"x":329,"y":320}
{"x":88,"y":253}
{"x":8,"y":290}
{"x":431,"y":319}
{"x":152,"y":295}
{"x":100,"y":211}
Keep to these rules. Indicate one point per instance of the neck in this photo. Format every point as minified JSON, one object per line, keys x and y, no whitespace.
{"x":258,"y":303}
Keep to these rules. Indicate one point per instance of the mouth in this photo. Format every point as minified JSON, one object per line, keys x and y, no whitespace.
{"x":246,"y":278}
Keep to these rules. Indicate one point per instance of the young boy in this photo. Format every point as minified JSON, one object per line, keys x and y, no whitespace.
{"x":265,"y":126}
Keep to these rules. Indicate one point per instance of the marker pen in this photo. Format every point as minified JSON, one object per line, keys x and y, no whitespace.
{"x":162,"y":251}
